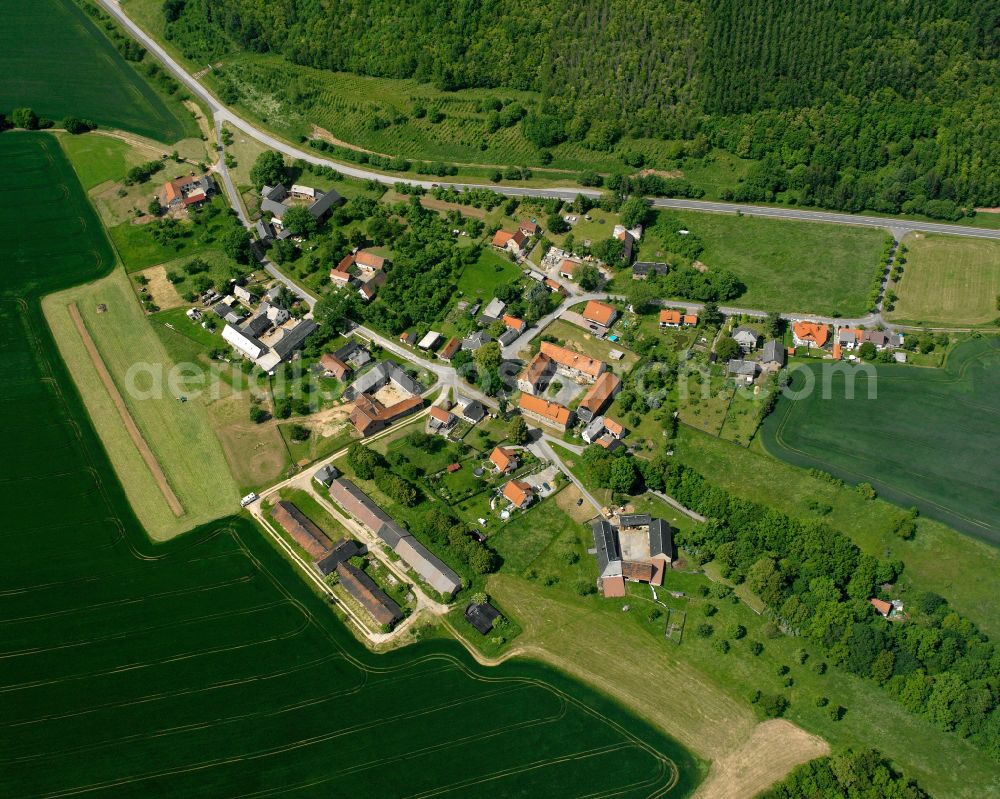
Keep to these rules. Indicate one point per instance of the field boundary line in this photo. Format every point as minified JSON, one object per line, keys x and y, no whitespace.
{"x":119,"y":402}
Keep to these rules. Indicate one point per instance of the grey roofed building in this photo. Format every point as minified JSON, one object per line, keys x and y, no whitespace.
{"x":243,"y":294}
{"x":634,"y":520}
{"x":284,"y":233}
{"x":233,"y":317}
{"x":606,"y":544}
{"x":354,"y":354}
{"x":264,"y":230}
{"x":383,"y":372}
{"x":508,"y":337}
{"x":475,"y":340}
{"x":746,"y":337}
{"x":292,"y":338}
{"x":390,"y":533}
{"x":256,"y":325}
{"x":481,"y":616}
{"x":326,"y":474}
{"x":222,"y":308}
{"x":661,"y":539}
{"x":774,"y":352}
{"x":471,"y":409}
{"x":324,"y":203}
{"x":372,"y":598}
{"x":494,"y":309}
{"x":593,"y":430}
{"x":276,"y":193}
{"x":434,"y":571}
{"x":268,"y":206}
{"x":740,"y":368}
{"x":643,"y":269}
{"x":343,"y":550}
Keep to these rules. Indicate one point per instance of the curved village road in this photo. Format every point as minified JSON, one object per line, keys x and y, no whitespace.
{"x":224,"y":114}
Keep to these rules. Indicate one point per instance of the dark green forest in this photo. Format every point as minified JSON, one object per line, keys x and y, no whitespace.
{"x":847,"y":104}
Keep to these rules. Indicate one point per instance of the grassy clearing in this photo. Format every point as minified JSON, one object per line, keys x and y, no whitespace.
{"x":480,"y":280}
{"x":786,"y":266}
{"x":71,"y":68}
{"x":948,"y":281}
{"x":99,"y":158}
{"x":927,"y":439}
{"x":178,"y":432}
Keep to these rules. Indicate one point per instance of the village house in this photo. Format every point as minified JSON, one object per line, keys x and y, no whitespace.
{"x":243,"y":295}
{"x":326,"y":474}
{"x":882,"y":340}
{"x":809,"y":334}
{"x":670,"y":318}
{"x":510,"y":242}
{"x":555,"y":286}
{"x":474,"y":341}
{"x":552,"y":358}
{"x":370,"y":414}
{"x":430,"y":340}
{"x":515,"y":324}
{"x":690,"y":319}
{"x":849,"y":338}
{"x":441,"y":421}
{"x":742,"y":371}
{"x":334,"y":367}
{"x":472,"y":410}
{"x":187,"y":191}
{"x":508,"y":337}
{"x":343,"y":550}
{"x":599,"y":396}
{"x":408,"y":338}
{"x":518,"y":493}
{"x":528,"y":228}
{"x":275,"y":200}
{"x":504,"y":460}
{"x":628,"y":244}
{"x":773,"y":354}
{"x":600,"y":313}
{"x":493,"y":311}
{"x":431,"y":569}
{"x":746,"y":337}
{"x":548,"y":413}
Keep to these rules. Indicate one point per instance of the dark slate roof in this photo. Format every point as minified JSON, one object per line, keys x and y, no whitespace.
{"x":634,"y":519}
{"x":473,"y":410}
{"x":509,"y":336}
{"x":661,"y":539}
{"x":292,"y":339}
{"x":741,"y":367}
{"x":364,"y":589}
{"x":268,"y":205}
{"x":481,"y":616}
{"x":649,"y":267}
{"x":264,"y":230}
{"x":390,"y":532}
{"x":606,"y":543}
{"x":256,"y":325}
{"x":774,"y":352}
{"x":343,"y":550}
{"x":325,"y":203}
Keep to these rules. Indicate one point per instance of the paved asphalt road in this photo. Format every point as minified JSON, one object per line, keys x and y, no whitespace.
{"x":225,"y":115}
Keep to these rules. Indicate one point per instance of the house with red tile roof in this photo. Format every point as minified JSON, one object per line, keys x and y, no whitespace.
{"x":549,"y":413}
{"x":600,"y":313}
{"x":809,"y":334}
{"x":599,"y":396}
{"x":518,"y":493}
{"x":505,"y":460}
{"x":670,"y":318}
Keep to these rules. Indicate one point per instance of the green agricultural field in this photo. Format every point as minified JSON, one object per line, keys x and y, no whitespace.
{"x":948,"y":281}
{"x":56,"y":61}
{"x":204,"y":665}
{"x":927,"y":440}
{"x":786,"y":266}
{"x":179,"y":433}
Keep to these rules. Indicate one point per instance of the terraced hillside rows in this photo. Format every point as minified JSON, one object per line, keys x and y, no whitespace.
{"x":204,"y":666}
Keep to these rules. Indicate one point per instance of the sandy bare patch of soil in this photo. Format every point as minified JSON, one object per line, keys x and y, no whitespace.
{"x":162,"y":291}
{"x":774,"y":748}
{"x":389,"y":395}
{"x":566,"y":501}
{"x":331,"y":421}
{"x":700,"y":266}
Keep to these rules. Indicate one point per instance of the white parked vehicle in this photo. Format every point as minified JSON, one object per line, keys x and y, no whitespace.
{"x":251,"y":497}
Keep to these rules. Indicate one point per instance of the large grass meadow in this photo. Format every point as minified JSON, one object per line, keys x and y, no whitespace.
{"x":787,"y":266}
{"x":205,"y":666}
{"x":55,"y":60}
{"x":948,"y":281}
{"x":927,"y":439}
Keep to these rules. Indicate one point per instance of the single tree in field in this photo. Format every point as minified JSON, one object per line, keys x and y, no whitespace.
{"x":588,"y":277}
{"x":268,"y":169}
{"x":155,"y":208}
{"x":633,"y":212}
